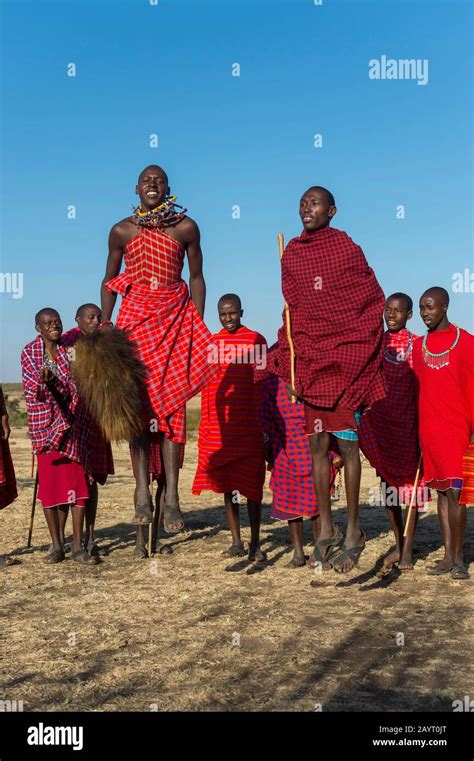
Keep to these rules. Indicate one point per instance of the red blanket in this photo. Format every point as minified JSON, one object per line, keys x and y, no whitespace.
{"x":336,"y":307}
{"x":8,"y":491}
{"x":230,"y":442}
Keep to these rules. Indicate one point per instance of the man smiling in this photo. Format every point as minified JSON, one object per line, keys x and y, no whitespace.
{"x":336,"y":307}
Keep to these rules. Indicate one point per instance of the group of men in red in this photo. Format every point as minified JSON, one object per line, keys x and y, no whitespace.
{"x":333,"y":384}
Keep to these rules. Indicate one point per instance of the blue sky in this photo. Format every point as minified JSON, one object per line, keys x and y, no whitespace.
{"x":226,"y":141}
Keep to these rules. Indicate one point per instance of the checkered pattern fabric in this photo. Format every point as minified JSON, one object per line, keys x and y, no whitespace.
{"x":8,"y":491}
{"x":159,"y":316}
{"x":57,"y":420}
{"x":336,"y":307}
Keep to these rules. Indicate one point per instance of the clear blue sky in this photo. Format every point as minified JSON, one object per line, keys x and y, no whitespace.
{"x":227,"y":140}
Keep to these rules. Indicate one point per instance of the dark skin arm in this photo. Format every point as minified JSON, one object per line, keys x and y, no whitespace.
{"x":118,"y":237}
{"x":190,"y":236}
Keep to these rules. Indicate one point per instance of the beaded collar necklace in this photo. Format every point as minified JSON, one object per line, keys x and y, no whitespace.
{"x":437,"y":361}
{"x":166,"y":214}
{"x":400,"y":356}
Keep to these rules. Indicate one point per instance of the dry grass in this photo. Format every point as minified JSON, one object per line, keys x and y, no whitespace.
{"x":159,"y":634}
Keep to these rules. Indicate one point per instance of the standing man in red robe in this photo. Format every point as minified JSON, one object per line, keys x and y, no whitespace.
{"x":336,"y":307}
{"x":443,"y":362}
{"x":165,"y":322}
{"x":231,"y":449}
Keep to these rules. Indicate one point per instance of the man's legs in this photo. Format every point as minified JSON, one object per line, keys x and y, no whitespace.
{"x":141,"y":461}
{"x":457,"y":525}
{"x":254,"y":510}
{"x":172,"y":518}
{"x":51,"y":515}
{"x":78,"y":553}
{"x":232,"y":510}
{"x":443,"y":516}
{"x":352,"y":473}
{"x":319,"y":446}
{"x":296,"y":535}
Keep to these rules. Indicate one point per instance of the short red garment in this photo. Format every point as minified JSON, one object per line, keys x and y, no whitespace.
{"x":467,"y":494}
{"x":8,"y":490}
{"x":445,"y":406}
{"x":388,"y":431}
{"x":61,"y":481}
{"x":156,"y":466}
{"x":159,"y":316}
{"x":101,"y":458}
{"x":336,"y":309}
{"x":230,"y":444}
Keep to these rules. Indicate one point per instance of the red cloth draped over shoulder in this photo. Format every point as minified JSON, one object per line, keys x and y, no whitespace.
{"x":336,"y":307}
{"x":159,"y":316}
{"x":231,"y":456}
{"x":445,"y":406}
{"x":102,"y":461}
{"x":388,"y":431}
{"x":8,"y":491}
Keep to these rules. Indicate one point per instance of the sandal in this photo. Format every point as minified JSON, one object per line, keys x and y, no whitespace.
{"x":140,"y":551}
{"x":458,"y":571}
{"x":234,"y":551}
{"x":54,"y":556}
{"x":83,"y":557}
{"x":6,"y":561}
{"x":172,"y":517}
{"x":96,"y":551}
{"x":163,"y":549}
{"x":257,"y":555}
{"x":143,"y":513}
{"x":331,"y":546}
{"x":438,"y":569}
{"x":348,"y":553}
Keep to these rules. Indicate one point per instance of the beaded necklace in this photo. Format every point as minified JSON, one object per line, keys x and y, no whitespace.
{"x":164,"y":215}
{"x":50,"y":362}
{"x":400,"y":356}
{"x":437,"y":361}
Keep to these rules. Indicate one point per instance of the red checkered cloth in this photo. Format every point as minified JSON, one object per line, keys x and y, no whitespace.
{"x":467,"y":495}
{"x":56,"y":423}
{"x":101,"y":457}
{"x":230,"y":444}
{"x":291,"y":478}
{"x":159,"y":316}
{"x":388,"y":431}
{"x":336,"y":307}
{"x":445,"y":406}
{"x":8,"y":491}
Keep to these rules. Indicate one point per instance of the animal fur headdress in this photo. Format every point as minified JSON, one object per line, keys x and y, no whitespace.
{"x":111,"y":381}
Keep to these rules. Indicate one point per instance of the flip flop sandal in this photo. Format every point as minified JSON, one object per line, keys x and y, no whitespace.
{"x":352,"y":553}
{"x":437,"y":570}
{"x":331,"y":545}
{"x":143,"y":511}
{"x":234,"y":551}
{"x":82,"y":557}
{"x":97,"y":551}
{"x":140,"y":551}
{"x":55,"y":556}
{"x":172,"y":514}
{"x":163,"y":549}
{"x":6,"y":561}
{"x":257,"y":555}
{"x":458,"y":571}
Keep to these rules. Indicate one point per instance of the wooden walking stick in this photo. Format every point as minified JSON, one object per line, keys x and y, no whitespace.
{"x":150,"y":525}
{"x":32,"y":517}
{"x":407,"y":522}
{"x":281,"y":245}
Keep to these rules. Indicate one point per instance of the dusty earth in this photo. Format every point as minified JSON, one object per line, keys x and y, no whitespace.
{"x":195,"y":632}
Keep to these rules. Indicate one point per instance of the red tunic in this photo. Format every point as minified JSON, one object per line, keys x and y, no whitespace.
{"x":8,"y":491}
{"x":159,"y":316}
{"x":446,"y":406}
{"x":231,"y":455}
{"x":388,"y":431}
{"x":336,"y":307}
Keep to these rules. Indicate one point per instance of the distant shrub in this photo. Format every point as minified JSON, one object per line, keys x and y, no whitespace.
{"x":18,"y":419}
{"x":193,"y":418}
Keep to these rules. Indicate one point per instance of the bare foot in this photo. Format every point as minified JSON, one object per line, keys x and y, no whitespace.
{"x":392,"y":557}
{"x":143,"y":511}
{"x":256,"y":555}
{"x":297,"y":561}
{"x":406,"y":562}
{"x":234,"y":551}
{"x":172,"y":519}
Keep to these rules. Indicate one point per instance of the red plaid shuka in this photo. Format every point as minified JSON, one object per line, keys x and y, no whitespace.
{"x":445,"y":406}
{"x":231,"y":455}
{"x":54,"y":424}
{"x":291,"y":478}
{"x":101,"y":457}
{"x":336,"y":307}
{"x":388,"y":431}
{"x":159,"y":316}
{"x":8,"y":490}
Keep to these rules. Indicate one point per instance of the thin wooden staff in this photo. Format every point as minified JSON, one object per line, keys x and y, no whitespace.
{"x":150,"y":525}
{"x":281,"y":245}
{"x":410,"y":508}
{"x":32,"y":516}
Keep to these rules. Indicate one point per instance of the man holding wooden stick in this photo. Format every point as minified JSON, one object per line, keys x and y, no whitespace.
{"x":336,"y":307}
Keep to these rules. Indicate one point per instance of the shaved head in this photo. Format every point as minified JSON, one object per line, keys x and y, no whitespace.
{"x":45,"y":311}
{"x":230,"y":297}
{"x":327,"y":193}
{"x":84,"y":307}
{"x":438,"y":294}
{"x":152,"y":169}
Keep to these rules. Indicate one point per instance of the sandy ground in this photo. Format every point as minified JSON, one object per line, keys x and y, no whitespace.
{"x":195,"y":632}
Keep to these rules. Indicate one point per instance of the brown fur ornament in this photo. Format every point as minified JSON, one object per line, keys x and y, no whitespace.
{"x":111,"y":381}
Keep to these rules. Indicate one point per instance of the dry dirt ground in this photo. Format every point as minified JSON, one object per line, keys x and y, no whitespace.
{"x":195,"y":632}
